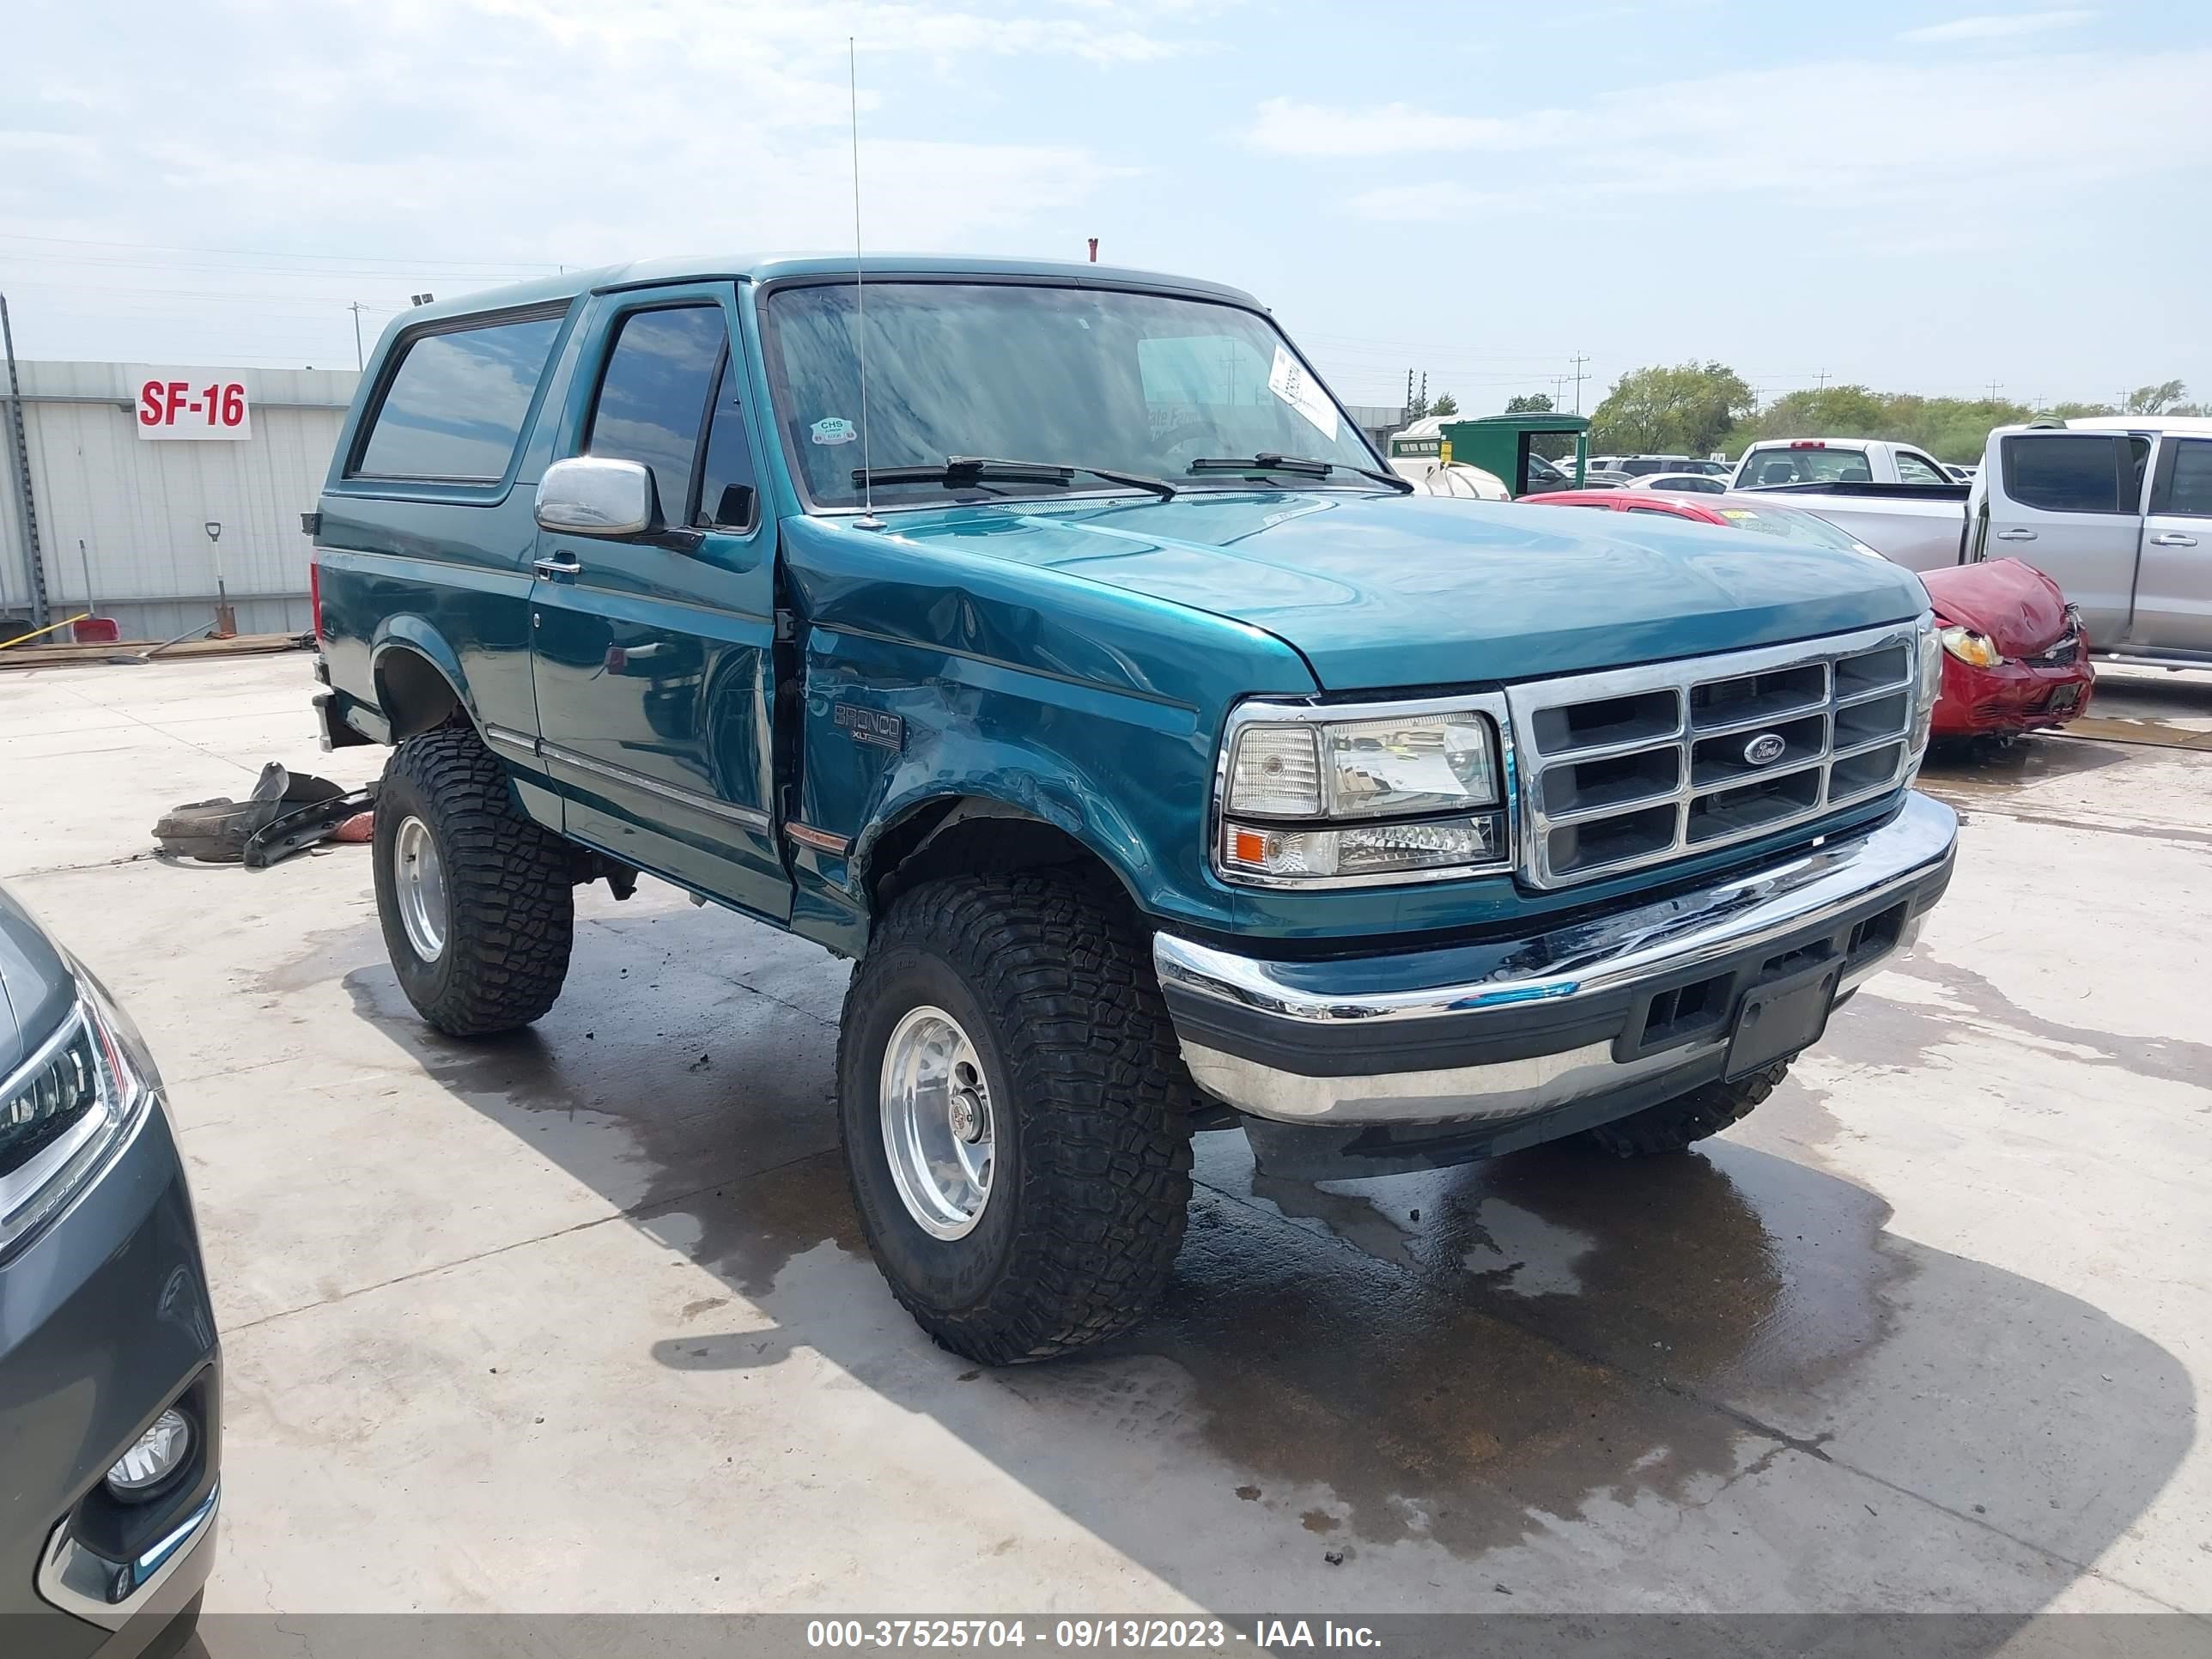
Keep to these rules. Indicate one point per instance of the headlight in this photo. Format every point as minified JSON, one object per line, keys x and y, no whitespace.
{"x":1381,"y":794}
{"x":62,"y":1112}
{"x":1970,"y":647}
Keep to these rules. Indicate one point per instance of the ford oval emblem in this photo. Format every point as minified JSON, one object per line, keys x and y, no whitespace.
{"x":1764,"y":749}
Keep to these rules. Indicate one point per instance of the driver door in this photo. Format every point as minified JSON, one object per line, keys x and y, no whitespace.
{"x":653,"y":654}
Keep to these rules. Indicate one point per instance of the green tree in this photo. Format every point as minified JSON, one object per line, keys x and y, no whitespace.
{"x":1949,"y":428}
{"x":2071,"y":411}
{"x":1552,"y":446}
{"x":1688,"y":409}
{"x":1444,"y":404}
{"x":2155,"y":399}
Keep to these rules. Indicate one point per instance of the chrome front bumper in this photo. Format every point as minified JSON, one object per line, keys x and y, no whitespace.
{"x":1502,"y":1031}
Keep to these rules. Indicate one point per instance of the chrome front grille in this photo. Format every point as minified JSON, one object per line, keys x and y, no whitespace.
{"x":1637,"y":766}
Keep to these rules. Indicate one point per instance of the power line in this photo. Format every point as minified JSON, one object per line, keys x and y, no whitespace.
{"x":410,"y":263}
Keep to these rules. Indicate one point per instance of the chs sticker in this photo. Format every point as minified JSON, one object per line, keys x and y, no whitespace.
{"x":832,"y":430}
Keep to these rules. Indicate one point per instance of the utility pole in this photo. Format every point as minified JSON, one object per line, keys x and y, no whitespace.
{"x":1994,"y":385}
{"x":19,"y":456}
{"x":1823,"y":378}
{"x":359,"y":362}
{"x":1579,"y":359}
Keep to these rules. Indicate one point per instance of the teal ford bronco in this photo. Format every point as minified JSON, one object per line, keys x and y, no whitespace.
{"x":1050,"y":641}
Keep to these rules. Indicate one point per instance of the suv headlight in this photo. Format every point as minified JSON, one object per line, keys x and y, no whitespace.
{"x":1368,"y":794}
{"x":62,"y":1111}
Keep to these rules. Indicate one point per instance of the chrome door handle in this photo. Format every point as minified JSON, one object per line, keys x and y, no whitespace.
{"x":2173,"y":539}
{"x":554,"y":570}
{"x":2015,"y":535}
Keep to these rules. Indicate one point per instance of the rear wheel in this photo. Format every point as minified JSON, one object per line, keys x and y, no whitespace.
{"x":1015,"y":1114}
{"x":476,"y":897}
{"x":1674,"y":1125}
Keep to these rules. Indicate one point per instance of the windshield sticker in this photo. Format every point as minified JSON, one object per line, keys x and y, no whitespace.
{"x":832,"y":430}
{"x":1288,"y":381}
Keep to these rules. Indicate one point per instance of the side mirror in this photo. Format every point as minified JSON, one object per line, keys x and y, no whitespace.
{"x":587,"y":496}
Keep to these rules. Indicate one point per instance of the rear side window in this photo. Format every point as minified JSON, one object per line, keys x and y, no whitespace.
{"x":2065,"y":474}
{"x":1910,"y":468}
{"x":454,"y":407}
{"x":653,"y":398}
{"x":2189,"y":486}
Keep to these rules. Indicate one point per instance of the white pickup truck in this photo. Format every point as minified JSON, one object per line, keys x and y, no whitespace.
{"x":2115,"y":509}
{"x":1896,"y":498}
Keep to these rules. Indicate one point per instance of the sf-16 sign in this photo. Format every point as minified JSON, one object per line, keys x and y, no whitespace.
{"x":186,"y":405}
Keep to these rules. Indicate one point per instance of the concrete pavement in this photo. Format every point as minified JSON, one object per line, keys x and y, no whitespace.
{"x":580,"y":1319}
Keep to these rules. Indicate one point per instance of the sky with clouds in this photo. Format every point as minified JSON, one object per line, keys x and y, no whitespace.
{"x":1917,"y":197}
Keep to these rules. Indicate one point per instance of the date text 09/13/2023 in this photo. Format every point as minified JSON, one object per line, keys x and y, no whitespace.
{"x":1073,"y":1635}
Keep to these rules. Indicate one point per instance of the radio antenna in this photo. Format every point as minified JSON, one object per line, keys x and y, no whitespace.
{"x":867,"y":520}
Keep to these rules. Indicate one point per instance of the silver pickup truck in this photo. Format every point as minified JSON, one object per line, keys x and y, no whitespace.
{"x":2115,"y":509}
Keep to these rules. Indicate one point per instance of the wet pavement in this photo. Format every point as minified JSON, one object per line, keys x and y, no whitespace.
{"x":580,"y":1319}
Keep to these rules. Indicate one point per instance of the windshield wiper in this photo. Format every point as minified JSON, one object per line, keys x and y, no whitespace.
{"x":1303,"y":466}
{"x":964,"y":472}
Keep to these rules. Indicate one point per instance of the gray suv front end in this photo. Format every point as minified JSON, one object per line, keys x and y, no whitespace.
{"x":110,"y":1372}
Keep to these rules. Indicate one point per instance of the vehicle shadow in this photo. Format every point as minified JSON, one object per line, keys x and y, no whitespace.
{"x":1714,"y":1380}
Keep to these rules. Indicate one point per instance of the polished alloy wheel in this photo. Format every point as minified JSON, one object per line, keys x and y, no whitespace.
{"x":418,"y":882}
{"x":939,"y":1130}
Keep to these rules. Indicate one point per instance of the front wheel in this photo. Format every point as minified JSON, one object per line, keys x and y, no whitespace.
{"x":475,"y":898}
{"x":1015,"y":1114}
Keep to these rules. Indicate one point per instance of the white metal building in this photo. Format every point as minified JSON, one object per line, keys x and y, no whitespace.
{"x":122,"y":517}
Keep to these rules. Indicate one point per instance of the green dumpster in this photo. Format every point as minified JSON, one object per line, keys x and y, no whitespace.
{"x":1499,"y":444}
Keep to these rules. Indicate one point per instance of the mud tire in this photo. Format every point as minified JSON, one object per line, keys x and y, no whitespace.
{"x":510,"y":901}
{"x":1673,"y":1126}
{"x":1052,"y":979}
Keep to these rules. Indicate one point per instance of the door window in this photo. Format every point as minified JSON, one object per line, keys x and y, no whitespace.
{"x":2065,"y":473}
{"x":2189,"y":484}
{"x":653,"y":398}
{"x":1910,"y":468}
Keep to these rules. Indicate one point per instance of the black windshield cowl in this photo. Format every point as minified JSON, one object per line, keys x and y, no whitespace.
{"x":964,"y":472}
{"x":1299,"y":466}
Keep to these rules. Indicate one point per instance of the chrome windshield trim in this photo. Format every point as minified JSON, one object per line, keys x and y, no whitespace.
{"x":1586,"y":958}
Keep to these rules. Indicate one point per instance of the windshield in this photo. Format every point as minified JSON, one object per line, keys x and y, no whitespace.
{"x":1792,"y":525}
{"x":1140,"y":383}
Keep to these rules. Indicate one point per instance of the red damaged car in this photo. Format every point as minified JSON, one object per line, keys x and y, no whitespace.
{"x":2015,"y":657}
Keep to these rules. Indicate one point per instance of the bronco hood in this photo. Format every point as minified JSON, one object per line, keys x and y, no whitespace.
{"x":1387,"y":591}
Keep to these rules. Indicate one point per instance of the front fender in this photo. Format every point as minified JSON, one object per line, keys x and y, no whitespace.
{"x":1127,"y":778}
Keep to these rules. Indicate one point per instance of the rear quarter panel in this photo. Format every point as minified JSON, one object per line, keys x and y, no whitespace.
{"x":439,"y":567}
